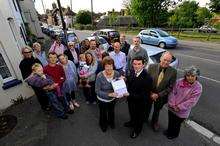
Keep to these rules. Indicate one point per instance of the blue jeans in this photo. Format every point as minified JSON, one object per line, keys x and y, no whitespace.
{"x":59,"y":105}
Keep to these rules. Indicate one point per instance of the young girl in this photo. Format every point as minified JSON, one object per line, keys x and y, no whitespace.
{"x":83,"y":71}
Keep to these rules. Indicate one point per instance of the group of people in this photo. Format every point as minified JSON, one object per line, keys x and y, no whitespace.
{"x":56,"y":77}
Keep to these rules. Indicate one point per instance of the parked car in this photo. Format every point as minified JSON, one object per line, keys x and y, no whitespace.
{"x":155,"y":53}
{"x":207,"y":29}
{"x":71,"y":37}
{"x":103,"y":43}
{"x":157,"y":37}
{"x":108,"y":34}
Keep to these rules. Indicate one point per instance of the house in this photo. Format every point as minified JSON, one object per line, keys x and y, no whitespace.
{"x":30,"y":17}
{"x":12,"y":39}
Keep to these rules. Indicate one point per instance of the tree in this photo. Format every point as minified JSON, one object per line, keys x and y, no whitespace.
{"x":203,"y":16}
{"x":214,"y":5}
{"x":151,"y":13}
{"x":83,"y":17}
{"x":185,"y":15}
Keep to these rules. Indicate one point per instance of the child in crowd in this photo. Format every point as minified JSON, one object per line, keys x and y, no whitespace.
{"x":83,"y":71}
{"x":40,"y":80}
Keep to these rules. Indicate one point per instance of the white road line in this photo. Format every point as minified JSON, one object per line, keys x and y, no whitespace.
{"x":217,"y":62}
{"x":202,"y":130}
{"x":210,"y":135}
{"x":207,"y":78}
{"x":199,"y":48}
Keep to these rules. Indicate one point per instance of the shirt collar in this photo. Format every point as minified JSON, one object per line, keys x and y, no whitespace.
{"x":138,"y":73}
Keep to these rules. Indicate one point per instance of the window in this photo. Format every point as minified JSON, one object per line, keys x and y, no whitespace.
{"x":5,"y":70}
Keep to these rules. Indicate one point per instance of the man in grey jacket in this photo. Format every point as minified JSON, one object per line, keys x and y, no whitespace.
{"x":135,"y":51}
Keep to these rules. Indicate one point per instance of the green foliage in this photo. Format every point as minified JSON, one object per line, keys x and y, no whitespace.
{"x":112,"y":18}
{"x":185,"y":15}
{"x":83,"y":17}
{"x":203,"y":16}
{"x":151,"y":13}
{"x":214,"y":5}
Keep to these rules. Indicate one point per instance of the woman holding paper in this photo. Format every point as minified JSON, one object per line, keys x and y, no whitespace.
{"x":105,"y":93}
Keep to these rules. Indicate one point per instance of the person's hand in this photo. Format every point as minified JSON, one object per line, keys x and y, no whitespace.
{"x":154,"y":96}
{"x":113,"y":94}
{"x":176,"y":108}
{"x":122,"y":77}
{"x":126,"y":94}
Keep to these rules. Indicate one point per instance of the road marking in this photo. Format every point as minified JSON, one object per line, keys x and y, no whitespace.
{"x":198,"y":47}
{"x":202,"y":130}
{"x":207,"y":78}
{"x":217,"y":62}
{"x":210,"y":135}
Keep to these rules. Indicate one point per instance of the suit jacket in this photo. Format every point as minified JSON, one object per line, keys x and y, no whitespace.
{"x":167,"y":83}
{"x":139,"y":87}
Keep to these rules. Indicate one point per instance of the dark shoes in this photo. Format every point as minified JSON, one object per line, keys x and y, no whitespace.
{"x":134,"y":134}
{"x":169,"y":136}
{"x":128,"y":124}
{"x":155,"y":127}
{"x":104,"y":128}
{"x":112,"y":126}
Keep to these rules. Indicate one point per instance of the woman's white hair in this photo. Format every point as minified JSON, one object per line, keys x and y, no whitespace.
{"x":192,"y":70}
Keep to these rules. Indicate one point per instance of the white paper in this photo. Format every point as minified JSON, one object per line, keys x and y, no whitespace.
{"x":119,"y":87}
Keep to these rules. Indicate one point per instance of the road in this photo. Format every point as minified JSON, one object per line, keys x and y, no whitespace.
{"x":205,"y":56}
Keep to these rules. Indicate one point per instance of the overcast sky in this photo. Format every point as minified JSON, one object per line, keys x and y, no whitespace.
{"x":98,"y":5}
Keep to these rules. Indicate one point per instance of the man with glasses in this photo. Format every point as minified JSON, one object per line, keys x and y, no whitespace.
{"x":164,"y":77}
{"x":27,"y":62}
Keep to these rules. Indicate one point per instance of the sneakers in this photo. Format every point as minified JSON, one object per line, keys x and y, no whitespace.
{"x":71,"y":106}
{"x":76,"y":104}
{"x":134,"y":135}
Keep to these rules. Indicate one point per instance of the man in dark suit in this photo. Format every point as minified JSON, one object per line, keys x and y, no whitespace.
{"x":164,"y":77}
{"x":139,"y":87}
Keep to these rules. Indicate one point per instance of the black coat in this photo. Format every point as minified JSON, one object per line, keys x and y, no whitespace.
{"x":139,"y":87}
{"x":26,"y":66}
{"x":68,"y":53}
{"x":125,"y":48}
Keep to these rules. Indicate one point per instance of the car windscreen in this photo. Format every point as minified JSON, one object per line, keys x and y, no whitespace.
{"x":156,"y":58}
{"x":163,"y":33}
{"x":113,"y":34}
{"x":102,"y":41}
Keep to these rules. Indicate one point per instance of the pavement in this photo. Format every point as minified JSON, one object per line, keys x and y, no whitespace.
{"x":37,"y":128}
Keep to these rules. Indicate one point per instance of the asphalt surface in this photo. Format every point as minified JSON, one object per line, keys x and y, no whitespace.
{"x":205,"y":56}
{"x":36,"y":128}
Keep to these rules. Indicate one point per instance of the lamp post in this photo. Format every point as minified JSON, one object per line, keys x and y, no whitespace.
{"x":92,"y":14}
{"x":62,"y":21}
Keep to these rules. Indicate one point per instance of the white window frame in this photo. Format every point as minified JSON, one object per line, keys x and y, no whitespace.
{"x":8,"y":63}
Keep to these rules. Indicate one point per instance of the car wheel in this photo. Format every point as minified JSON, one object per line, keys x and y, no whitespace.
{"x":162,"y":45}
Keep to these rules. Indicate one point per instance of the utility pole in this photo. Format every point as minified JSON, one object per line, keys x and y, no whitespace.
{"x":43,"y":6}
{"x":92,"y":14}
{"x":71,"y":7}
{"x":62,"y":21}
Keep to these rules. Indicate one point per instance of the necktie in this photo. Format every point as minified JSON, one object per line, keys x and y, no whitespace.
{"x":160,"y":77}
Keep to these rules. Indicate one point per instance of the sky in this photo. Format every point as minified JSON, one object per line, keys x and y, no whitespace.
{"x":98,"y":5}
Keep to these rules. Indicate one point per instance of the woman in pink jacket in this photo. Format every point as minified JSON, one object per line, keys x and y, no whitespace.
{"x":184,"y":96}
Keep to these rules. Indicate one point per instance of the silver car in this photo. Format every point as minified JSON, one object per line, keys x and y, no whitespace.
{"x":103,"y":43}
{"x":155,"y":53}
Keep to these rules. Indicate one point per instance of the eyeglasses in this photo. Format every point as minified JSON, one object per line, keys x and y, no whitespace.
{"x":27,"y":52}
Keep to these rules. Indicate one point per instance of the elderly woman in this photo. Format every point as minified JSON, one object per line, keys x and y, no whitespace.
{"x":89,"y":92}
{"x":105,"y":93}
{"x":69,"y":85}
{"x":39,"y":54}
{"x":72,"y":53}
{"x":183,"y":97}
